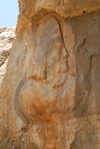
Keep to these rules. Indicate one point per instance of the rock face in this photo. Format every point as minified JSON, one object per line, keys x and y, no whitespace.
{"x":50,"y":92}
{"x":7,"y":36}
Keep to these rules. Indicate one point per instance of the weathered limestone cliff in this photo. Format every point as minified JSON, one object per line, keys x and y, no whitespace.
{"x":50,"y":93}
{"x":7,"y":36}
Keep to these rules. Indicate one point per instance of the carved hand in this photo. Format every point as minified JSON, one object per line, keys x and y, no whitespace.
{"x":83,"y":57}
{"x":39,"y":72}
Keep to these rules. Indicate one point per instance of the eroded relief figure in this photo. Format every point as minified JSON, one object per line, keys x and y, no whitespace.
{"x":49,"y":89}
{"x":47,"y":98}
{"x":50,"y":72}
{"x":83,"y":79}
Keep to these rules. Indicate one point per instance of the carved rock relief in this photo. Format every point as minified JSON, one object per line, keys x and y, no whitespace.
{"x":46,"y":96}
{"x":50,"y":61}
{"x":41,"y":97}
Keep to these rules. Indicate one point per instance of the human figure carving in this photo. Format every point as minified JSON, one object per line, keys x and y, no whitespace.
{"x":50,"y":66}
{"x":45,"y":93}
{"x":83,"y":77}
{"x":49,"y":91}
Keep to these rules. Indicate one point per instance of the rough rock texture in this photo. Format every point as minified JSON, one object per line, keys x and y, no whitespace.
{"x":32,"y":10}
{"x":50,"y":93}
{"x":7,"y":36}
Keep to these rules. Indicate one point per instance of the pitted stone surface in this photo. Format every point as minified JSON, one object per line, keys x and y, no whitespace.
{"x":7,"y":36}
